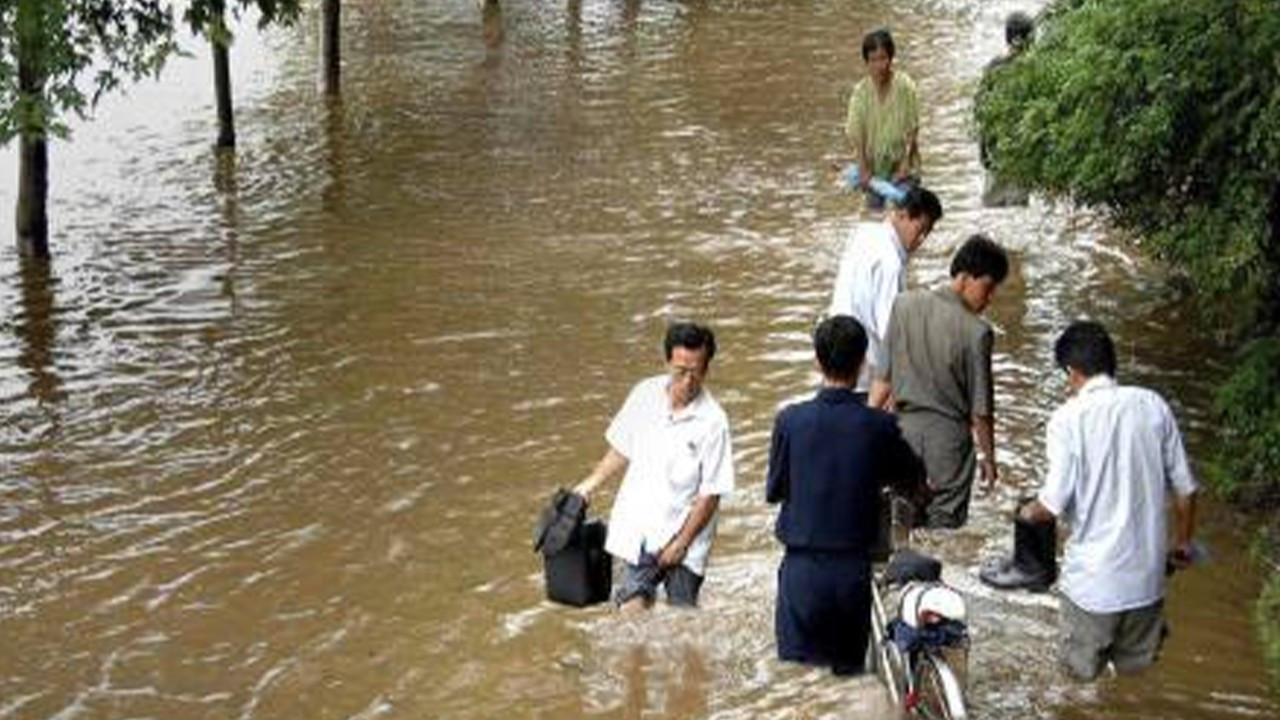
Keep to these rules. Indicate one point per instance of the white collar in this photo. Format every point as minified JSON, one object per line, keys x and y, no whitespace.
{"x":897,"y":241}
{"x":689,"y":411}
{"x":1101,"y":381}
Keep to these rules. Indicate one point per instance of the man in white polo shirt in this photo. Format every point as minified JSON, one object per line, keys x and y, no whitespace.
{"x":1115,"y":461}
{"x":873,"y":270}
{"x":671,"y":439}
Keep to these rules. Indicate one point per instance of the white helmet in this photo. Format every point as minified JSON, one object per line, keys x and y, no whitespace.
{"x":924,"y":603}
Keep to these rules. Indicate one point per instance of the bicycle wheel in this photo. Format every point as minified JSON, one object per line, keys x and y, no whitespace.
{"x":939,"y":694}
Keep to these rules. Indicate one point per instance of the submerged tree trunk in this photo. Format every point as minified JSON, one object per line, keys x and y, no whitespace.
{"x":220,"y":41}
{"x":33,"y":153}
{"x":491,"y":17}
{"x":331,"y":54}
{"x":222,"y":93}
{"x":33,"y":195}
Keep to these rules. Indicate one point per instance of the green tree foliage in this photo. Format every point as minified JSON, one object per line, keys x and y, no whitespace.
{"x":1248,"y":405}
{"x":1167,"y":114}
{"x":83,"y":49}
{"x":76,"y":50}
{"x":208,"y":17}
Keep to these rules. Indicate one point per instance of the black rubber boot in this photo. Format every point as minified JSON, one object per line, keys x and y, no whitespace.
{"x":1034,"y":565}
{"x":1035,"y":552}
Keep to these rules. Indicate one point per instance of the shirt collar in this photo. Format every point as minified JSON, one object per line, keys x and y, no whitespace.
{"x":688,"y":412}
{"x":1101,"y":381}
{"x":898,"y":247}
{"x":948,"y":293}
{"x":836,"y":395}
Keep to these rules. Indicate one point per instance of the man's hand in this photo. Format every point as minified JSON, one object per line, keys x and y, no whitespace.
{"x":989,"y":473}
{"x":1034,"y":511}
{"x":880,"y":395}
{"x":984,"y":440}
{"x":584,"y":488}
{"x":1180,"y":557}
{"x":673,"y":554}
{"x":920,"y":496}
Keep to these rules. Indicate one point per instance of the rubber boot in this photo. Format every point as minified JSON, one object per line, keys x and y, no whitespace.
{"x":1034,"y":565}
{"x":1035,"y":552}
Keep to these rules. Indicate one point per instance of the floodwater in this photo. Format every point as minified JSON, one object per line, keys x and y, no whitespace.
{"x":276,"y":426}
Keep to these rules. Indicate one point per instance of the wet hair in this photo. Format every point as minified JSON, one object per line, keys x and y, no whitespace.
{"x":980,"y":256}
{"x":920,"y":200}
{"x":1085,"y":346}
{"x":1018,"y":28}
{"x":840,"y":344}
{"x":689,"y":335}
{"x":878,"y":39}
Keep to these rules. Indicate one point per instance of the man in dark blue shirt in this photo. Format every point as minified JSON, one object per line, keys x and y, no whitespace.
{"x":829,"y":458}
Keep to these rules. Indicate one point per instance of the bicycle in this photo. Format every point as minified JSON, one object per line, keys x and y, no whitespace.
{"x":909,"y":648}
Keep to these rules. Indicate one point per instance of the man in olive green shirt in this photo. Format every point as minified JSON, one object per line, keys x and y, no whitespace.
{"x":938,"y":377}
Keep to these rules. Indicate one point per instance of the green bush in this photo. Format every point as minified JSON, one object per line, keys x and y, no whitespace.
{"x":1246,"y":465}
{"x":1129,"y":107}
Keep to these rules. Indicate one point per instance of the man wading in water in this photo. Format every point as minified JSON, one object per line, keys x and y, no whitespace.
{"x":671,"y":443}
{"x":1115,"y":459}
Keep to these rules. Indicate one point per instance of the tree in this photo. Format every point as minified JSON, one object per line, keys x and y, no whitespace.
{"x":209,"y":18}
{"x":1167,"y":114}
{"x":330,"y":47}
{"x":59,"y":57}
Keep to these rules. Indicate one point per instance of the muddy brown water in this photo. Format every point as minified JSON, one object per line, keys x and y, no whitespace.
{"x":275,"y":427}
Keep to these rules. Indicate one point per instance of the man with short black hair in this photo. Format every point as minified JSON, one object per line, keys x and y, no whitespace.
{"x":671,"y":443}
{"x":873,"y":270}
{"x":828,"y":460}
{"x":1116,"y":460}
{"x":938,"y":377}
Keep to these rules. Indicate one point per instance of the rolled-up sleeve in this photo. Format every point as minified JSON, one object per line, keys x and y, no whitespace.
{"x":777,"y":478}
{"x":622,"y":429}
{"x":887,"y":284}
{"x":981,"y":391}
{"x":892,"y":337}
{"x":855,"y":117}
{"x":1063,"y":473}
{"x":717,"y":463}
{"x":911,"y":106}
{"x":1176,"y":468}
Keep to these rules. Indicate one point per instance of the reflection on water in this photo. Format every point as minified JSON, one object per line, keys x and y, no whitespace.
{"x":276,"y":423}
{"x":36,"y":329}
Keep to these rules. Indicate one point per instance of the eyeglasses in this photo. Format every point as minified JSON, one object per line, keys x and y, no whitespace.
{"x":680,"y":372}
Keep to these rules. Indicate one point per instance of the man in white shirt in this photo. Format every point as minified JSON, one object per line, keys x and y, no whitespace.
{"x":873,"y":270}
{"x":1115,"y":461}
{"x":671,"y":442}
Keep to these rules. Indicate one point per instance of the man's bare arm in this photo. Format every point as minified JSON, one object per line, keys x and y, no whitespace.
{"x":984,"y":433}
{"x":613,"y":463}
{"x":703,"y":510}
{"x":1184,"y":528}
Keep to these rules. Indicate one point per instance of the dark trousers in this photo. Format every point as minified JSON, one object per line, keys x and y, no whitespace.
{"x":945,"y":446}
{"x":823,"y":612}
{"x":642,"y":580}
